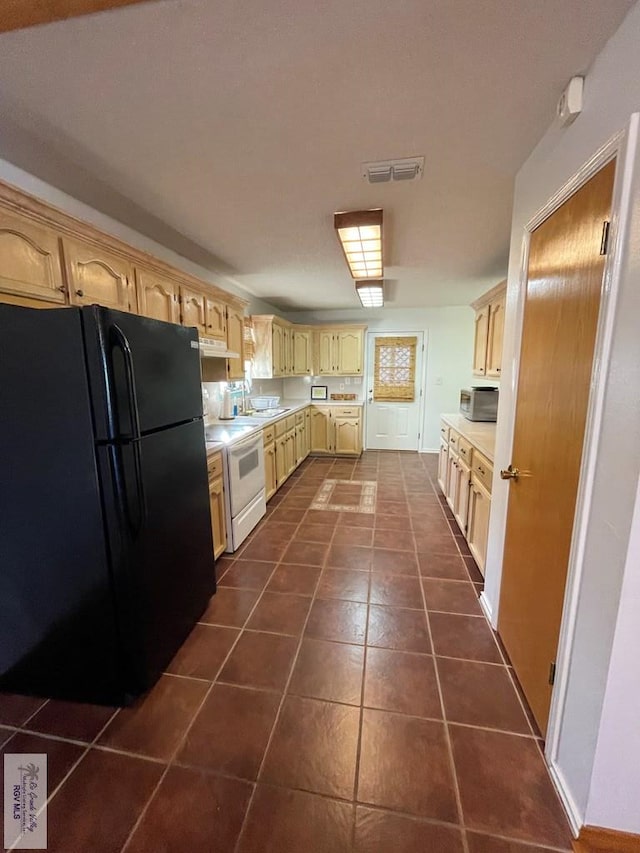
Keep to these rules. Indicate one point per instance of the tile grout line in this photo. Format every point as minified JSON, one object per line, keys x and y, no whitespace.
{"x":284,"y":693}
{"x":185,"y":734}
{"x":452,"y":765}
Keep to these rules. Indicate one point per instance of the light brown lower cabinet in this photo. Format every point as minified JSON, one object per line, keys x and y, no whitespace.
{"x":478,"y":521}
{"x":464,"y":475}
{"x":218,"y":518}
{"x":270,"y":473}
{"x":336,"y":430}
{"x":281,"y":459}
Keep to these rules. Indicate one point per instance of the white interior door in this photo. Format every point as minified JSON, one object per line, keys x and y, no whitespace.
{"x":394,"y":424}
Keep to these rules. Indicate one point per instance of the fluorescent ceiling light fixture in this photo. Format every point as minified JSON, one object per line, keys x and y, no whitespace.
{"x":360,"y":235}
{"x":370,"y":293}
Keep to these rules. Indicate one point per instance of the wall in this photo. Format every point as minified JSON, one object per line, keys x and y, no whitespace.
{"x":448,"y":336}
{"x":615,"y":784}
{"x":612,"y":93}
{"x":30,"y":184}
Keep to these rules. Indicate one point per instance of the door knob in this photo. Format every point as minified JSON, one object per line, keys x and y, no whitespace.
{"x":510,"y":474}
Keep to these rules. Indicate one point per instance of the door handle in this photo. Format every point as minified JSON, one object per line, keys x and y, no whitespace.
{"x":510,"y":474}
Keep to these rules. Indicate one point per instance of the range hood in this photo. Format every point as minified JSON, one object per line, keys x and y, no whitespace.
{"x":211,"y":348}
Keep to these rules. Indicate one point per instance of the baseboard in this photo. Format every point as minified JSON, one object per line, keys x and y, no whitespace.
{"x":596,"y":839}
{"x":486,"y":607}
{"x":574,"y":816}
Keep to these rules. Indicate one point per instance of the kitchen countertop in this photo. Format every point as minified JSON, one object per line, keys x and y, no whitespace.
{"x":292,"y":406}
{"x":479,"y":433}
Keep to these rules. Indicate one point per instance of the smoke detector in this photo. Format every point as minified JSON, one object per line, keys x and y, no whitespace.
{"x":384,"y":171}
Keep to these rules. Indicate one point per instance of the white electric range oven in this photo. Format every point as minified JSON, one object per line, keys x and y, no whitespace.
{"x":244,"y":479}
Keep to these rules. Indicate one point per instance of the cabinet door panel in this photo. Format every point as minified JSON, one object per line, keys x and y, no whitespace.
{"x":495,"y":337}
{"x":96,"y":276}
{"x":480,"y":342}
{"x":347,"y":435}
{"x":478,"y":522}
{"x":30,"y":264}
{"x":326,"y":350}
{"x":218,"y":519}
{"x":157,"y":296}
{"x":350,"y":352}
{"x":235,"y":342}
{"x":443,"y":467}
{"x":462,"y":495}
{"x":320,"y":431}
{"x":301,"y":353}
{"x":193,"y":309}
{"x":270,"y":474}
{"x":281,"y":460}
{"x":216,"y":319}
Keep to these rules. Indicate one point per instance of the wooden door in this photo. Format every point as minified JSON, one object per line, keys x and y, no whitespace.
{"x":95,"y":276}
{"x":307,"y":432}
{"x":452,"y":480}
{"x":193,"y":309}
{"x":235,"y":342}
{"x":216,"y":319}
{"x":299,"y":443}
{"x":30,"y":266}
{"x":218,"y":519}
{"x":480,"y":342}
{"x":157,"y":296}
{"x":292,"y":462}
{"x":495,"y":337}
{"x":478,"y":521}
{"x":270,"y":475}
{"x":562,"y":303}
{"x":347,"y":435}
{"x":320,"y":424}
{"x":350,"y":352}
{"x":326,"y":360}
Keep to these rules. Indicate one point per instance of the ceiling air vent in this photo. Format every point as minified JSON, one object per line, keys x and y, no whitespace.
{"x":383,"y":171}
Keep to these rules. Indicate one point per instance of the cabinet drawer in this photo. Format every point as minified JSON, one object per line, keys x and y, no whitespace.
{"x":444,"y":432}
{"x":483,"y":469}
{"x":268,"y":434}
{"x":280,"y":427}
{"x":300,"y":417}
{"x":290,"y":422}
{"x":346,"y":411}
{"x":465,"y":449}
{"x":454,"y":438}
{"x":214,"y":465}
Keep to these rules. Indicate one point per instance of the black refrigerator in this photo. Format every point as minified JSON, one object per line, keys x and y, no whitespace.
{"x":106,"y":553}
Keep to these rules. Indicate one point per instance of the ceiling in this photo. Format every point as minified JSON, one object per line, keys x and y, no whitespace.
{"x":231,"y":132}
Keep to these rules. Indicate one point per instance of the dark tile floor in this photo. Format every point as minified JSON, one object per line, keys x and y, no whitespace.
{"x":342,"y":692}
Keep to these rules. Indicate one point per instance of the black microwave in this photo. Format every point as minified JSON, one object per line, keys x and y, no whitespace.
{"x":479,"y":403}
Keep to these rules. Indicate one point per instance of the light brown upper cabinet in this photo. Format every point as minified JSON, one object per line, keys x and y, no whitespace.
{"x":235,"y":343}
{"x":302,"y":352}
{"x":273,"y":355}
{"x":340,"y":351}
{"x":193,"y":309}
{"x":216,"y":319}
{"x":95,"y":276}
{"x":157,"y":296}
{"x":489,"y":330}
{"x":30,"y":267}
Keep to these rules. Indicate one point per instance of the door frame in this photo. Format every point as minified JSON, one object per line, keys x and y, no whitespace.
{"x":421,"y":354}
{"x":624,"y":146}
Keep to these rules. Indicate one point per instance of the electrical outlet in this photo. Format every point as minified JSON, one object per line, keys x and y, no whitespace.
{"x":347,"y":380}
{"x":342,"y":386}
{"x":438,"y":380}
{"x":357,"y":381}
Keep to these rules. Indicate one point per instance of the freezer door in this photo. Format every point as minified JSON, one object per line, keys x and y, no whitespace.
{"x":144,"y":374}
{"x":159,"y":532}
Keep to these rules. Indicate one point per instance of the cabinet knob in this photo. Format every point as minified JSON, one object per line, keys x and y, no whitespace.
{"x":62,"y":288}
{"x":79,"y":292}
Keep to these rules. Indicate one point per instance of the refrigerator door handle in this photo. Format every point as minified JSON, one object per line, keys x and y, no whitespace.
{"x":120,"y":341}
